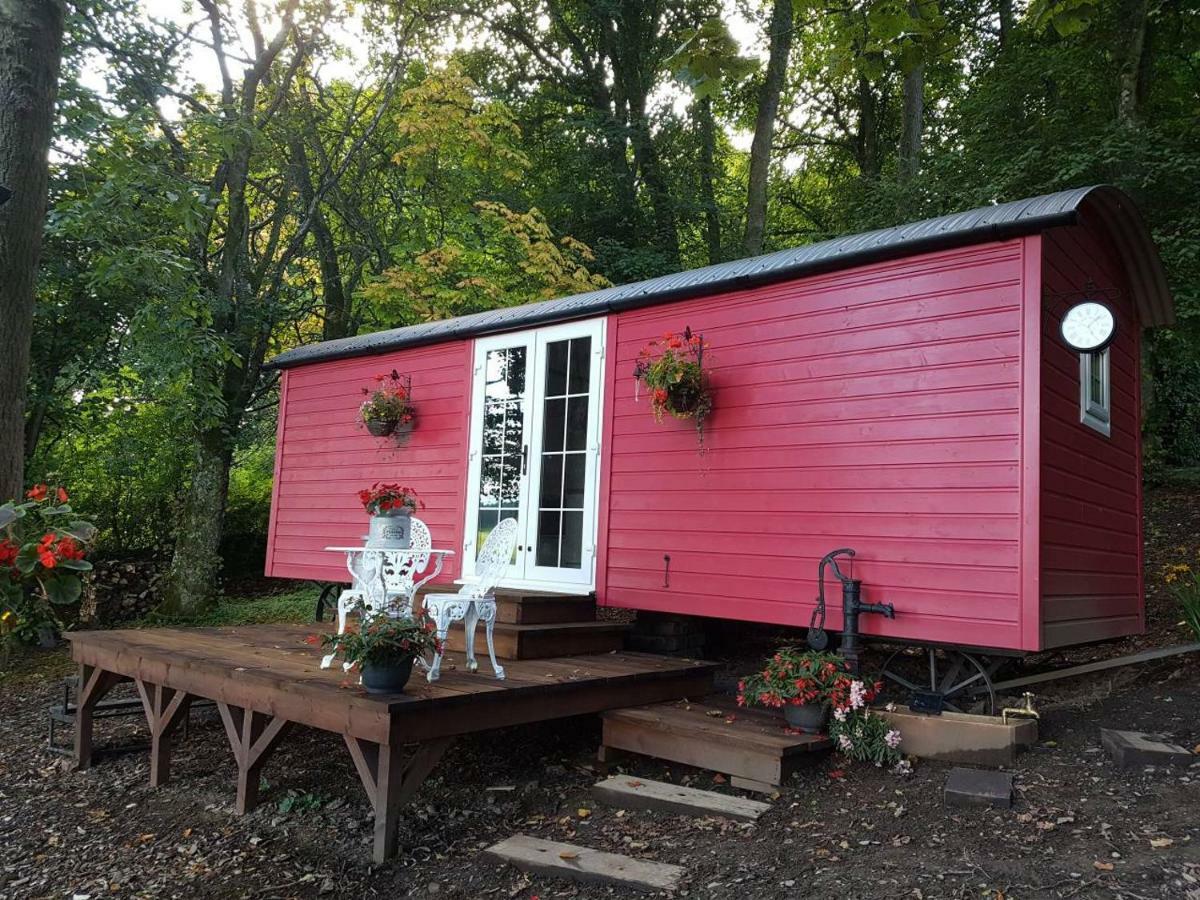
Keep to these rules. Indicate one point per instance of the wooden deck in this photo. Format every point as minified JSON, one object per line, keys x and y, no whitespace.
{"x":265,"y":679}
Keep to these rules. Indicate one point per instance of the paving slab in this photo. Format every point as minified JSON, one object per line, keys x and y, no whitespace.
{"x":1135,"y":749}
{"x":583,"y":864}
{"x":627,"y":792}
{"x":979,"y":787}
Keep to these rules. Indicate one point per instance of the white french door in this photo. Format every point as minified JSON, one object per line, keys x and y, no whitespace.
{"x":535,"y":450}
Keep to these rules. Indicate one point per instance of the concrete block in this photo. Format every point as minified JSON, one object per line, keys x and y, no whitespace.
{"x":979,"y":787}
{"x":1134,"y":749}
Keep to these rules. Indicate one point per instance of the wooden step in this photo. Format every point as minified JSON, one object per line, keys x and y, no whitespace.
{"x":750,"y":746}
{"x":541,"y":641}
{"x":627,"y":792}
{"x":514,"y":608}
{"x":530,"y":854}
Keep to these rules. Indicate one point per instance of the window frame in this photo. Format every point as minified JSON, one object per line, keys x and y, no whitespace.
{"x":1096,"y":413}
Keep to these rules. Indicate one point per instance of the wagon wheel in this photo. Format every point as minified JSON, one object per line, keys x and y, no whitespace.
{"x":958,"y":680}
{"x":327,"y":600}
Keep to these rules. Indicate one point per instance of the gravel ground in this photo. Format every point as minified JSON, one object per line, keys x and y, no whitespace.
{"x":1078,"y":828}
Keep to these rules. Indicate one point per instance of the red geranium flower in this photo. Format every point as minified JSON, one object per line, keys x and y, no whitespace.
{"x":38,"y":492}
{"x":62,"y":496}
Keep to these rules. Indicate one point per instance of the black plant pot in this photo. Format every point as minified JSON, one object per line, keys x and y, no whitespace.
{"x":386,"y":678}
{"x":809,"y":718}
{"x":381,"y":427}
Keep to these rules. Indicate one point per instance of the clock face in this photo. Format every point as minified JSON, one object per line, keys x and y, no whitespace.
{"x":1088,"y":326}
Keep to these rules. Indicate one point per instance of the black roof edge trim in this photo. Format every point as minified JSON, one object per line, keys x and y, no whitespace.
{"x":1107,"y":206}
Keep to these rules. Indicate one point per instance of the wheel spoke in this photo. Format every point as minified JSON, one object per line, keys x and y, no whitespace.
{"x":903,"y":682}
{"x":951,"y":674}
{"x":958,"y":688}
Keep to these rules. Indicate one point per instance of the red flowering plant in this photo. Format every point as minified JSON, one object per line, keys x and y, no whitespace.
{"x":384,"y":641}
{"x":389,"y":405}
{"x":796,"y":678}
{"x":42,"y":548}
{"x":672,"y":370}
{"x":389,"y":499}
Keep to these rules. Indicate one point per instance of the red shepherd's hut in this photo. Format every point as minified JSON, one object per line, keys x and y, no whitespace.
{"x":945,"y":397}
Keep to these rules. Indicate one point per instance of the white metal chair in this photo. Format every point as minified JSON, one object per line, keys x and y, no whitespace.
{"x":475,"y":601}
{"x":384,"y":580}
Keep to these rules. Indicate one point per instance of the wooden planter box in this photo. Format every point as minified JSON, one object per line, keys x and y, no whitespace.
{"x":962,"y":737}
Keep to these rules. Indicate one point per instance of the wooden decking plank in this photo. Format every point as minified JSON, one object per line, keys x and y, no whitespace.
{"x":626,"y":792}
{"x":695,"y":724}
{"x":583,"y":864}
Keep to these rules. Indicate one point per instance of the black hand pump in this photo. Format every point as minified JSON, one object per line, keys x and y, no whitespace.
{"x":852,"y":606}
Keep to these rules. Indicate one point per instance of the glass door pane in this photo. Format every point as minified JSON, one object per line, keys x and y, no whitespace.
{"x":502,"y":442}
{"x":563,"y":453}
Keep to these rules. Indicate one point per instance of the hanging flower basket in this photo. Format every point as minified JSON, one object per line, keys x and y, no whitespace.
{"x":672,"y":371}
{"x":388,"y":408}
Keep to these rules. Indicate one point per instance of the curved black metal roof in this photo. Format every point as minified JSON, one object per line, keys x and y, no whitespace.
{"x":1100,"y":206}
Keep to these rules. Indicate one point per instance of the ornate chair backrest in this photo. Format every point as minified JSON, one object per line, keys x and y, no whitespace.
{"x":493,"y":559}
{"x":398,"y":579}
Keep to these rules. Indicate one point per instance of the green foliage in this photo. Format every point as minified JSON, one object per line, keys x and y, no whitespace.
{"x":294,"y":606}
{"x":382,"y":640}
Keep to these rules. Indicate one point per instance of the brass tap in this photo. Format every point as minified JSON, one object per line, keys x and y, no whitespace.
{"x":1021,"y":712}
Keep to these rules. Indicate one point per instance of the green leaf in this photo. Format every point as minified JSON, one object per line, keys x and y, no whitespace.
{"x":75,"y":565}
{"x":27,"y":560}
{"x":62,"y":589}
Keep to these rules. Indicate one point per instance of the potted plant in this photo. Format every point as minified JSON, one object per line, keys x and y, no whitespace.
{"x":383,"y":649}
{"x":804,"y":684}
{"x":42,"y":548}
{"x":672,"y":370}
{"x":388,"y":406}
{"x":391,"y":507}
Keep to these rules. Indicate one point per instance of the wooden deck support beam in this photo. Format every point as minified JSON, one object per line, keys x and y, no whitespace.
{"x":94,"y":683}
{"x":253,"y":736}
{"x":165,"y":709}
{"x":391,"y":783}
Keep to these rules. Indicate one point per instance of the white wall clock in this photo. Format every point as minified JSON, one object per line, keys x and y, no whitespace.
{"x":1089,"y":326}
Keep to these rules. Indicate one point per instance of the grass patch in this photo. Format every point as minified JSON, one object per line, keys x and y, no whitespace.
{"x":293,"y":606}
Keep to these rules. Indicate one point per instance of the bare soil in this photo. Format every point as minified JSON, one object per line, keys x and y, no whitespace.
{"x":1078,"y":828}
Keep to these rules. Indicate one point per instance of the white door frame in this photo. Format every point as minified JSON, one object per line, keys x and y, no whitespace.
{"x":525,"y":573}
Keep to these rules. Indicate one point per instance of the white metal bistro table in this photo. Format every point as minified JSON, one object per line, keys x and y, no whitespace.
{"x":393,"y":568}
{"x":384,"y":579}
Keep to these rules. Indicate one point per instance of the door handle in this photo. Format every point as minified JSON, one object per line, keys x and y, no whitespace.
{"x":525,"y":460}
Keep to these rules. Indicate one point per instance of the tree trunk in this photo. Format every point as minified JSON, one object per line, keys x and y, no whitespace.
{"x":336,"y":308}
{"x":1132,"y":77}
{"x":30,"y":52}
{"x":708,"y":175}
{"x":867,"y":143}
{"x":782,"y":16}
{"x":909,"y":155}
{"x":197,"y":560}
{"x":1007,"y":21}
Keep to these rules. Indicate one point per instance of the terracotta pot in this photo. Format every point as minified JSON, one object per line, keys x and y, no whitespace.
{"x":386,"y":678}
{"x":808,"y":718}
{"x":381,"y":427}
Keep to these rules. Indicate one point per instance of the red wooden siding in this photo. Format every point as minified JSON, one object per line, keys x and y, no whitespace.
{"x":1091,"y":523}
{"x":877,"y":408}
{"x":324,"y":457}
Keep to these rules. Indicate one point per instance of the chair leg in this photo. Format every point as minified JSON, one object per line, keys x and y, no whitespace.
{"x":470,"y":620}
{"x":343,"y":612}
{"x":442,"y":619}
{"x":489,"y":625}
